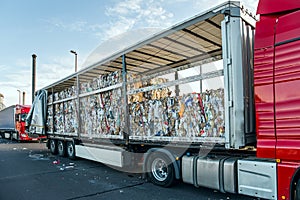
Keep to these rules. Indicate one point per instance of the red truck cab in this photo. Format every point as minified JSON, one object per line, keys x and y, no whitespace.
{"x":21,"y":112}
{"x":277,"y":94}
{"x":20,"y":117}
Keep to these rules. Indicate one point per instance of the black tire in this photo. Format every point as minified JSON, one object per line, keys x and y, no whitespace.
{"x":53,"y":146}
{"x":61,"y":148}
{"x":297,"y":190}
{"x":71,"y":150}
{"x":10,"y":136}
{"x":18,"y":137}
{"x":160,"y":170}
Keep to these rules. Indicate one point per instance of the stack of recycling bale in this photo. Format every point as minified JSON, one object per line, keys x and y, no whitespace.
{"x":101,"y":114}
{"x":49,"y":123}
{"x":102,"y":81}
{"x":70,"y":114}
{"x":153,"y":112}
{"x":65,"y":119}
{"x":58,"y":118}
{"x":157,"y":113}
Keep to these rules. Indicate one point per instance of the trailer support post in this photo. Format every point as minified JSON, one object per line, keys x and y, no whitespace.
{"x":125,"y":100}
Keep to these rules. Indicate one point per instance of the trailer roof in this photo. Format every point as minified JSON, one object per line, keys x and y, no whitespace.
{"x":197,"y":39}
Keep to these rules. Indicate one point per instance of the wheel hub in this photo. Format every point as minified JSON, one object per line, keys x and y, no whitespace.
{"x":159,"y":169}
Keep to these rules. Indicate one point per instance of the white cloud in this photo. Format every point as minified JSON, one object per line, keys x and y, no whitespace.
{"x":125,"y":7}
{"x":60,"y":67}
{"x":21,"y":77}
{"x":129,"y":14}
{"x":13,"y":81}
{"x":205,"y":4}
{"x":77,"y":26}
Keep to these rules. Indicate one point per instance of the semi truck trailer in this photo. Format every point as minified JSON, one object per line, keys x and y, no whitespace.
{"x":212,"y":101}
{"x":12,"y":123}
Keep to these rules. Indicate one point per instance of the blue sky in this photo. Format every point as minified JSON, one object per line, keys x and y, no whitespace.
{"x":51,"y":28}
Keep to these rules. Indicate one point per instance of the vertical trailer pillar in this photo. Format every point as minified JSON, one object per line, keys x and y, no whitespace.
{"x":78,"y":105}
{"x":53,"y":110}
{"x":239,"y":112}
{"x":177,"y":90}
{"x":125,"y":100}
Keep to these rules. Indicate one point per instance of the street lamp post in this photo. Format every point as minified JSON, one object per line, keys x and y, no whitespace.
{"x":75,"y":53}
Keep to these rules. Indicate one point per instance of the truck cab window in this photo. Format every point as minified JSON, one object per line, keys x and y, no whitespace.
{"x":23,"y":117}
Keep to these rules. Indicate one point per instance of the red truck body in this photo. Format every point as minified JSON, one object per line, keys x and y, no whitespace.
{"x":12,"y":123}
{"x":277,"y":94}
{"x":21,"y":113}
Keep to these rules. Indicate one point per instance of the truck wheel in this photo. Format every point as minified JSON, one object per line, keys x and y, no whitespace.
{"x":61,"y":148}
{"x":71,"y":150}
{"x":297,"y":191}
{"x":7,"y":136}
{"x":53,"y":146}
{"x":18,"y":137}
{"x":160,"y":170}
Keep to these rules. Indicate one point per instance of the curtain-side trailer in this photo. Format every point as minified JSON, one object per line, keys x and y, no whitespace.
{"x":183,"y":103}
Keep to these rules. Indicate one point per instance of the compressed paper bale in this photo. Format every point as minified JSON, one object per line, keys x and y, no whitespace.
{"x":159,"y":93}
{"x":49,"y":122}
{"x":138,"y":118}
{"x":191,"y":118}
{"x":71,"y":120}
{"x":101,"y":113}
{"x":50,"y":99}
{"x":153,"y":117}
{"x":58,"y":118}
{"x":94,"y":84}
{"x":155,"y":94}
{"x":214,"y":109}
{"x":61,"y":95}
{"x":70,"y":92}
{"x":56,"y":97}
{"x":100,"y":82}
{"x":86,"y":106}
{"x":192,"y":115}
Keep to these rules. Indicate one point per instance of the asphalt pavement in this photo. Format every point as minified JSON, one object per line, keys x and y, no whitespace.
{"x":29,"y":171}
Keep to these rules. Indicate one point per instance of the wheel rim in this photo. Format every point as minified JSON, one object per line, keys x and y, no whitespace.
{"x":70,"y":149}
{"x":159,"y":169}
{"x":60,"y":146}
{"x":52,"y":145}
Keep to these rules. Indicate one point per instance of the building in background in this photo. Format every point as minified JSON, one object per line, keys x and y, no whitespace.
{"x":2,"y":106}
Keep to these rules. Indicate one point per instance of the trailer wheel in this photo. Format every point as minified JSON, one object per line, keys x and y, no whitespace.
{"x":71,"y":150}
{"x":7,"y":136}
{"x":61,"y":148}
{"x":160,"y":170}
{"x":53,"y":146}
{"x":297,"y":191}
